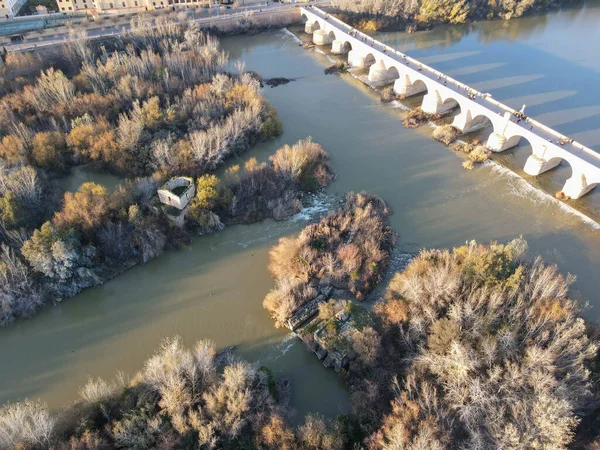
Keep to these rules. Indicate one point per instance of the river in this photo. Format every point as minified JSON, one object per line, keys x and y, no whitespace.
{"x":214,"y":289}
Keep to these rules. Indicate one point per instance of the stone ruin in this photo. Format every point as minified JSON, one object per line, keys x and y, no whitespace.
{"x":175,"y":196}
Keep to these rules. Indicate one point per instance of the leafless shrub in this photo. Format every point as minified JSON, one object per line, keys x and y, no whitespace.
{"x":19,"y":296}
{"x":317,"y":434}
{"x":388,"y":95}
{"x":96,"y":390}
{"x":446,"y":134}
{"x":25,"y":424}
{"x":498,"y":351}
{"x":52,"y":88}
{"x":306,"y":163}
{"x":26,"y":186}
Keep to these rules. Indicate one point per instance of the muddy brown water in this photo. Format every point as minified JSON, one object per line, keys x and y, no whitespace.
{"x":214,"y":289}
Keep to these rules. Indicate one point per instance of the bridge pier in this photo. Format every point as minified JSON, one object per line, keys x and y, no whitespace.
{"x":378,"y":73}
{"x":339,"y":47}
{"x":577,"y":186}
{"x":322,"y":37}
{"x":467,"y":124}
{"x":498,"y":142}
{"x":404,"y":87}
{"x":433,"y":104}
{"x":356,"y":59}
{"x":309,"y":27}
{"x":536,"y":165}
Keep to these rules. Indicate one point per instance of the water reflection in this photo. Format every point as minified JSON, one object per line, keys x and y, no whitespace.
{"x":475,"y":68}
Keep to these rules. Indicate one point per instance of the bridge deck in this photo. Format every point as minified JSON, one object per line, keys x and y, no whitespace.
{"x":485,"y":100}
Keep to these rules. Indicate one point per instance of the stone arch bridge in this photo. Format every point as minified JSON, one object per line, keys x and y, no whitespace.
{"x":442,"y":93}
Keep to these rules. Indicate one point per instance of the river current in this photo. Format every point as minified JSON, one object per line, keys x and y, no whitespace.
{"x":214,"y":289}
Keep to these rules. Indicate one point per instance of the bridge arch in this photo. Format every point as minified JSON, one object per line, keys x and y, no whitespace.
{"x":420,"y":86}
{"x":340,"y":47}
{"x":448,"y":105}
{"x":370,"y":59}
{"x":381,"y":73}
{"x":579,"y":183}
{"x":519,"y":148}
{"x":406,"y":86}
{"x":518,"y":140}
{"x":475,"y":123}
{"x":560,"y":171}
{"x":393,"y":72}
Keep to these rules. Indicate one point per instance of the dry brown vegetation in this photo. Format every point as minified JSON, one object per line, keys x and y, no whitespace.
{"x":388,"y":95}
{"x":490,"y":353}
{"x":349,"y":249}
{"x":258,"y":191}
{"x":416,"y":117}
{"x":182,"y":398}
{"x":474,"y":347}
{"x":446,"y":134}
{"x":373,"y":15}
{"x":477,"y":153}
{"x":155,"y":102}
{"x":97,"y":233}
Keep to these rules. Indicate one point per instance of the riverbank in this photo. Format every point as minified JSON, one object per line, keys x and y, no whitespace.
{"x":423,"y":15}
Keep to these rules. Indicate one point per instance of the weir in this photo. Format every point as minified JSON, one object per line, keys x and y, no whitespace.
{"x":442,"y":94}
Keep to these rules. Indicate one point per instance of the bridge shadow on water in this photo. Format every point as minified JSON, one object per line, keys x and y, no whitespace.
{"x":577,"y":120}
{"x":495,"y":57}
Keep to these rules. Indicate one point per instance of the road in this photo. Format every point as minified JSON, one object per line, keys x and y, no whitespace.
{"x":205,"y":16}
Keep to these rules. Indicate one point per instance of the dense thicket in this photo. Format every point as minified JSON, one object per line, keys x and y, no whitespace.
{"x":182,"y":398}
{"x":472,"y":348}
{"x":349,"y":249}
{"x":160,"y":102}
{"x":377,"y":14}
{"x":267,"y":190}
{"x":153,"y":103}
{"x":98,"y":233}
{"x":490,"y":352}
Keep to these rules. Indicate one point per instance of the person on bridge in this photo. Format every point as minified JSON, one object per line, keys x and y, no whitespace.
{"x":522,"y":111}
